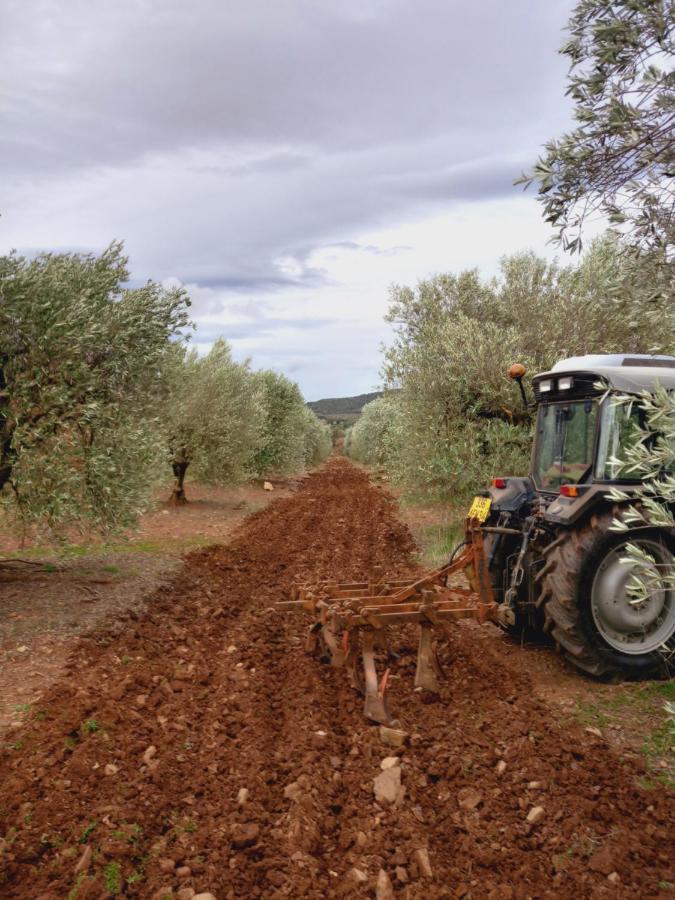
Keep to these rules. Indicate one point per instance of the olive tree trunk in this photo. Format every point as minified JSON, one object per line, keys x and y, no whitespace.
{"x":6,"y":430}
{"x":178,"y":497}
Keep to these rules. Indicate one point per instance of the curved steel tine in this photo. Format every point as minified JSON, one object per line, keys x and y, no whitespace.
{"x":334,"y":646}
{"x":428,"y":670}
{"x":352,"y":663}
{"x":312,"y":639}
{"x":375,"y":707}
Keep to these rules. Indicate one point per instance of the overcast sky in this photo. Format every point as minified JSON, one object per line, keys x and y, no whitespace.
{"x":286,"y":160}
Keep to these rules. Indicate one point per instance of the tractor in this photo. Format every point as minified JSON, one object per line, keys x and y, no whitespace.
{"x":541,"y":552}
{"x":556,"y":563}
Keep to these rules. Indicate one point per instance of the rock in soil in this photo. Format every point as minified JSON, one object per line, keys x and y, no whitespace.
{"x":244,"y":835}
{"x":356,"y":876}
{"x":394,"y":737}
{"x":383,"y":888}
{"x":84,"y":860}
{"x":469,"y":798}
{"x":536,"y":815}
{"x":387,"y":785}
{"x":421,"y":858}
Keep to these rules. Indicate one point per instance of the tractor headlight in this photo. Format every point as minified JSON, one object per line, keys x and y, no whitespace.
{"x":545,"y":386}
{"x":564,"y":384}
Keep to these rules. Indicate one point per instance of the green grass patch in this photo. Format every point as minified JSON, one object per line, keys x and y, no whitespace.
{"x":91,"y":726}
{"x":76,"y":887}
{"x":639,"y":712}
{"x":591,"y":714}
{"x":661,"y":741}
{"x":87,"y":833}
{"x":438,"y":542}
{"x":656,"y":782}
{"x":112,"y":875}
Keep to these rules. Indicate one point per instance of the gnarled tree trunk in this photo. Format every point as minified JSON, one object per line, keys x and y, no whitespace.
{"x":180,"y":467}
{"x":6,"y":430}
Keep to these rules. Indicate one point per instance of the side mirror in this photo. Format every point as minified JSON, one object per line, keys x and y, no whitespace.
{"x":516,"y":372}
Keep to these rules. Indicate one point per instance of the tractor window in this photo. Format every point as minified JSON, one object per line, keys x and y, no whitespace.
{"x":617,"y":434}
{"x":564,"y":445}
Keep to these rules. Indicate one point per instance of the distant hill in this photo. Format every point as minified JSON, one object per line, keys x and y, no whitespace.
{"x":342,"y":409}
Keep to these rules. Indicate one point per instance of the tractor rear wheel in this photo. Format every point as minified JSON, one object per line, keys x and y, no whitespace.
{"x":588,"y":607}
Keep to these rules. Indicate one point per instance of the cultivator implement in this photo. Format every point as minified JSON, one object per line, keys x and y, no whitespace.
{"x":350,"y":619}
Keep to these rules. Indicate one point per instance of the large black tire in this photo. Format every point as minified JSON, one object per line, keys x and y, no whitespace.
{"x":572,"y":562}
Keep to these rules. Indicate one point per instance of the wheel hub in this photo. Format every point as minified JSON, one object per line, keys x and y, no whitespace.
{"x":626,"y":622}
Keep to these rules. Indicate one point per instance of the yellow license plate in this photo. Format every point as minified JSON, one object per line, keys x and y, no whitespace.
{"x":480,"y":508}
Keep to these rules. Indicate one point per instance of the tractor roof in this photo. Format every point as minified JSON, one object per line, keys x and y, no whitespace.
{"x":625,"y":372}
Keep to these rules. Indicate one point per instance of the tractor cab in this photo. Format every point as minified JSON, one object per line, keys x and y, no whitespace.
{"x":581,"y":435}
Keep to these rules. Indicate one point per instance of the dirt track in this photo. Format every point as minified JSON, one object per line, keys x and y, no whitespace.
{"x":218,"y":684}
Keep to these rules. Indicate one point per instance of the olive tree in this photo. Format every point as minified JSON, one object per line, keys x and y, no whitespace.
{"x":292,"y":437}
{"x":368,"y":441}
{"x":214,"y":417}
{"x":619,"y":160}
{"x":650,"y":458}
{"x":81,"y":357}
{"x":317,"y":439}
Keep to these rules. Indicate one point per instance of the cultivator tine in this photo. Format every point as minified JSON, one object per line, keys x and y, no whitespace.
{"x":351,"y":660}
{"x":352,"y":664}
{"x":335,"y":653}
{"x":351,"y":619}
{"x":312,"y":639}
{"x":375,"y":707}
{"x":428,"y":670}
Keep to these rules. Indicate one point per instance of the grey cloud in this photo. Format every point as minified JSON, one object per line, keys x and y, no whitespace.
{"x":260,"y":327}
{"x":368,"y":248}
{"x":90,"y":84}
{"x":227,"y":142}
{"x":281,"y":161}
{"x":486,"y":179}
{"x":254,"y":283}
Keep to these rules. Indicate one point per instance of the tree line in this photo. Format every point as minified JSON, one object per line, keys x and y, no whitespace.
{"x":101,"y":397}
{"x":450,"y":417}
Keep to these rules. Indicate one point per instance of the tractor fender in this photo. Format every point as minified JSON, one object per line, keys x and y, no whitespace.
{"x":592,"y":498}
{"x":515,"y":497}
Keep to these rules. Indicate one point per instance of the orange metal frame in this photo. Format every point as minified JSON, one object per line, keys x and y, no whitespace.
{"x":341,"y":609}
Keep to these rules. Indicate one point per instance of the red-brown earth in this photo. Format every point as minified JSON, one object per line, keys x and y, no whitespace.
{"x":196,"y":747}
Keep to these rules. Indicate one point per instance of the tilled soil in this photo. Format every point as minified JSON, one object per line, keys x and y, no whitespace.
{"x":200,"y":749}
{"x":46,"y":605}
